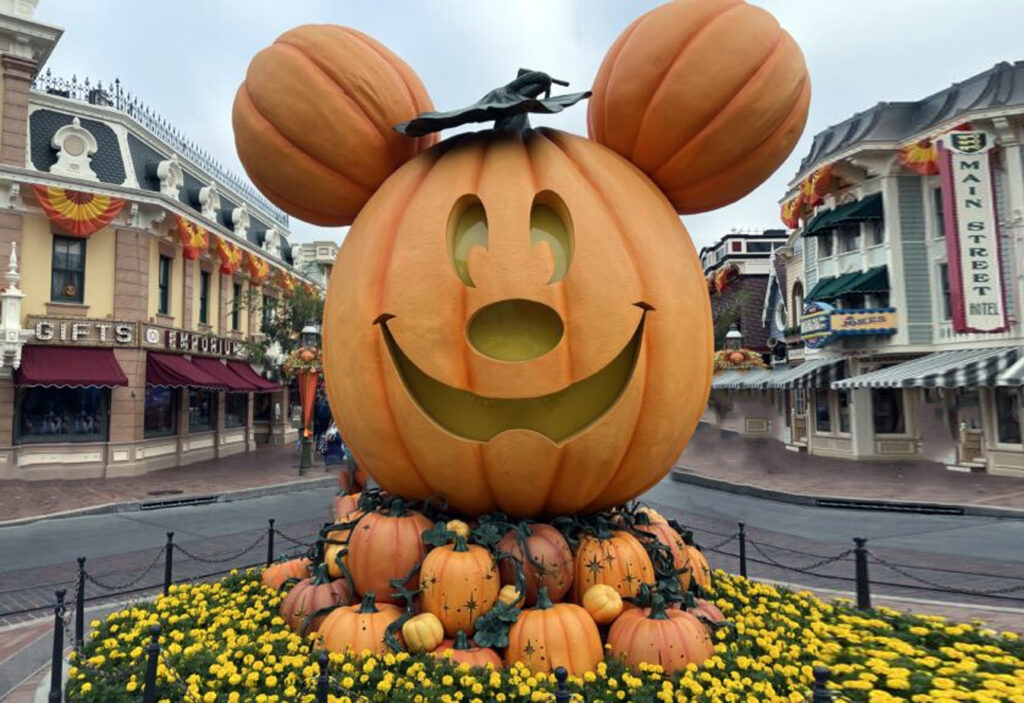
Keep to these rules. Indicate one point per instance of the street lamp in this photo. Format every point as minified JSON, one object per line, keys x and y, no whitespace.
{"x":734,"y":338}
{"x":308,"y":377}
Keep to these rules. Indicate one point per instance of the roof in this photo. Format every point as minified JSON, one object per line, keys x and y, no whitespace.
{"x":1000,"y":87}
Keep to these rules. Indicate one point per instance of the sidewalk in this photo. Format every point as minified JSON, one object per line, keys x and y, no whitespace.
{"x":766,"y":464}
{"x":267,"y":466}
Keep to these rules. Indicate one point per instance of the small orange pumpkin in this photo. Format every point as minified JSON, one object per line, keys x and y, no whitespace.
{"x":603,"y":603}
{"x":384,"y":546}
{"x":671,"y":638}
{"x":653,"y":516}
{"x":618,"y":560}
{"x":707,"y":97}
{"x":550,"y":635}
{"x":422,"y":633}
{"x":706,"y":611}
{"x":458,"y":527}
{"x":460,"y":651}
{"x":737,"y":357}
{"x":313,"y":120}
{"x":303,"y":608}
{"x":359,"y":628}
{"x":335,"y":550}
{"x":345,"y":503}
{"x":460,"y":583}
{"x":698,"y":562}
{"x":275,"y":575}
{"x":509,"y":595}
{"x":545,"y":557}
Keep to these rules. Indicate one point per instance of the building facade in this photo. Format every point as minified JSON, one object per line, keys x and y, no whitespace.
{"x":739,"y":267}
{"x":904,"y":265}
{"x":315,"y":260}
{"x":136,"y":271}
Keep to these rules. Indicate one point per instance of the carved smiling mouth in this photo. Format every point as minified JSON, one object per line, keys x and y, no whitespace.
{"x":557,"y":416}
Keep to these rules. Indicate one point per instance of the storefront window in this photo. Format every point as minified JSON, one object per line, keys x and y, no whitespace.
{"x":1008,"y":415}
{"x":61,"y":415}
{"x":269,"y":312}
{"x":822,"y":413}
{"x":825,"y":244}
{"x":67,"y":279}
{"x":800,"y":404}
{"x":876,"y":230}
{"x":161,"y":414}
{"x":261,"y":407}
{"x":888,"y":410}
{"x":236,"y":304}
{"x":944,"y":288}
{"x":849,"y":238}
{"x":843,"y":406}
{"x":202,"y":410}
{"x":236,"y":409}
{"x":940,"y":225}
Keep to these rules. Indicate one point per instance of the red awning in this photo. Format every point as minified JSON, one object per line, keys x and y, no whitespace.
{"x":248,"y":375}
{"x":222,"y":373}
{"x":69,"y":367}
{"x":176,"y":372}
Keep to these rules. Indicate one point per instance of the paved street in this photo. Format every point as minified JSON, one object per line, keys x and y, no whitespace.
{"x":37,"y":558}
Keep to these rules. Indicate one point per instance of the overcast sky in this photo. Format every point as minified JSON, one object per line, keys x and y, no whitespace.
{"x":186,"y":59}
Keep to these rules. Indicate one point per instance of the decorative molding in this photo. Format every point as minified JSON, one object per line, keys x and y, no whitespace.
{"x":75,"y":146}
{"x":272,"y":242}
{"x":10,"y":196}
{"x":209,"y":199}
{"x":240,"y":220}
{"x":171,"y":177}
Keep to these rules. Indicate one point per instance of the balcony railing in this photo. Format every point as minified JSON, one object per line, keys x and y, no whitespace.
{"x":114,"y":96}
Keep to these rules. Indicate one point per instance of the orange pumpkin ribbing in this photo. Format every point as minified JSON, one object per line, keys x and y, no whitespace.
{"x":708,"y":97}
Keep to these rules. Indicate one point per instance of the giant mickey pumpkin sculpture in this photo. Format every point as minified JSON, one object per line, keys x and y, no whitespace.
{"x":517,"y":319}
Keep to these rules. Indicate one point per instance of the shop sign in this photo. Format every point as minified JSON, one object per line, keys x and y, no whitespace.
{"x":972,"y":241}
{"x":184,"y":342}
{"x":86,"y":333}
{"x":822,"y":324}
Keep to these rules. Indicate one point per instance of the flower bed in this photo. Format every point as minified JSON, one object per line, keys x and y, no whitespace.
{"x":225,"y":642}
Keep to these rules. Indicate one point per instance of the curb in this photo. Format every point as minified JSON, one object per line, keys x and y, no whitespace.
{"x":683,"y":475}
{"x":225,"y":497}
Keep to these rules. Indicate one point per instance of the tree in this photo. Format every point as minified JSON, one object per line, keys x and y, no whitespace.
{"x":283,"y":320}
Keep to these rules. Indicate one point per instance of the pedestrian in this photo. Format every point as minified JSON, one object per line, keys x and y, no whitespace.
{"x":321,"y":416}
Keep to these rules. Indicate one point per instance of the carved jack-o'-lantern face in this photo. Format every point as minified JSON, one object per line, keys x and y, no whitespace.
{"x":517,"y":319}
{"x":529,"y":323}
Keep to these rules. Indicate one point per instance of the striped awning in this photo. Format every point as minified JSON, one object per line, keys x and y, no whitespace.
{"x":1013,"y":376}
{"x":735,"y":380}
{"x":816,"y":373}
{"x":949,"y":369}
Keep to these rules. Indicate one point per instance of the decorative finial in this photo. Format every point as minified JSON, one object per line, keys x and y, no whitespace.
{"x":12,"y":267}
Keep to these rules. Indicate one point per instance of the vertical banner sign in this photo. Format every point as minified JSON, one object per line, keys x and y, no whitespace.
{"x":972,"y":235}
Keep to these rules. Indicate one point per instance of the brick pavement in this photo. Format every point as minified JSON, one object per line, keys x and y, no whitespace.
{"x":269,"y":465}
{"x":766,"y":463}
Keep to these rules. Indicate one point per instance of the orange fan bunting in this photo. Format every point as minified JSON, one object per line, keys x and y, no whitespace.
{"x":80,"y":214}
{"x":259,"y":269}
{"x":816,"y":186}
{"x":791,"y":210}
{"x":921,"y":157}
{"x":286,"y":282}
{"x":194,"y":238}
{"x":230,"y":256}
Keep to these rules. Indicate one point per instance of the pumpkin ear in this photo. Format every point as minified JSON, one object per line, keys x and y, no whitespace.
{"x":313,"y":121}
{"x":707,"y":97}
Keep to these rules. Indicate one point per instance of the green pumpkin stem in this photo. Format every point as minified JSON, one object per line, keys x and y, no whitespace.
{"x":397,"y":507}
{"x":461,"y":641}
{"x":688,"y":601}
{"x":460,"y":544}
{"x":543,"y":600}
{"x":369,"y":605}
{"x":657,"y":608}
{"x":320,"y":575}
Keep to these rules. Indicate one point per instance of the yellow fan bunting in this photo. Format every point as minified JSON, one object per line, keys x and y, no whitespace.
{"x":79,"y":214}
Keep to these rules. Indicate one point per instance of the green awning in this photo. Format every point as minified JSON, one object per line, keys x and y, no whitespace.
{"x":822,"y":284}
{"x":874,"y":280}
{"x":869,"y":208}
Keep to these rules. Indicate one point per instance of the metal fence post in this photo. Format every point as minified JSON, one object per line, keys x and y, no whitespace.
{"x":57,"y":661}
{"x":562,"y":694}
{"x":152,"y":660}
{"x":80,"y":605}
{"x":270,"y":541}
{"x":819,"y":691}
{"x":743,"y":550}
{"x":323,"y":680}
{"x":168,"y":562}
{"x":861,"y":562}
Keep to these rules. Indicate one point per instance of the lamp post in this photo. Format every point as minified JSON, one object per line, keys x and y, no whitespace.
{"x":734,"y":338}
{"x":307,"y":377}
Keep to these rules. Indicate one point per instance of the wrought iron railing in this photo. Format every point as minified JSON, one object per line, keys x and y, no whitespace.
{"x":114,"y":96}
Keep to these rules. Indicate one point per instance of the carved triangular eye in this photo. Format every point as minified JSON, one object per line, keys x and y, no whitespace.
{"x":550,"y":222}
{"x":467,"y":228}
